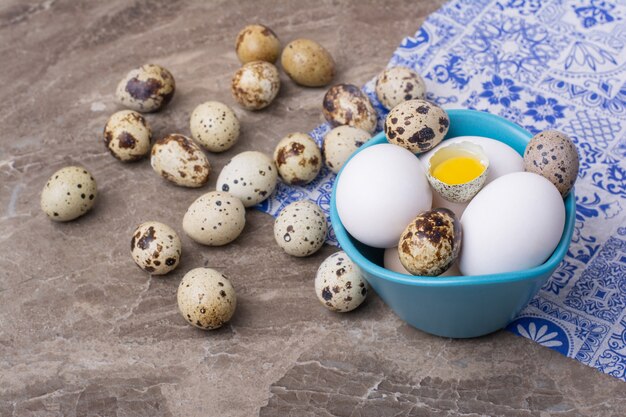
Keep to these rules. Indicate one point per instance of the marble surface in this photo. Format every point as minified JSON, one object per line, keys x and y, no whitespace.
{"x":84,"y":332}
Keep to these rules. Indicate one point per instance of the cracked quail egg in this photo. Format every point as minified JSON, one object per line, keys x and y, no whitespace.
{"x":340,"y":143}
{"x":339,"y":283}
{"x":215,"y":219}
{"x":307,"y":63}
{"x":146,"y":89}
{"x":155,"y":248}
{"x":257,"y":43}
{"x":206,"y":298}
{"x":346,"y":104}
{"x":298,"y":159}
{"x":417,"y":125}
{"x":398,"y":84}
{"x":250,"y":176}
{"x":127,"y":135}
{"x":300,"y":228}
{"x":255,"y":85}
{"x":69,"y":193}
{"x":179,"y":160}
{"x":215,"y":126}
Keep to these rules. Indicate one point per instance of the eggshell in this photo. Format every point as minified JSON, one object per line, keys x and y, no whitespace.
{"x":307,"y":63}
{"x":380,"y":190}
{"x":206,"y":298}
{"x":339,"y":283}
{"x":69,"y":193}
{"x":298,"y":159}
{"x":257,"y":43}
{"x":391,"y":261}
{"x":398,"y":84}
{"x":179,"y":160}
{"x":155,"y":248}
{"x":127,"y":135}
{"x":215,"y":219}
{"x":502,"y":160}
{"x":255,"y":85}
{"x":340,"y":143}
{"x":215,"y":126}
{"x":514,"y":223}
{"x":301,"y":228}
{"x":146,"y":89}
{"x":553,"y":155}
{"x":417,"y":125}
{"x":346,"y":104}
{"x":250,"y":176}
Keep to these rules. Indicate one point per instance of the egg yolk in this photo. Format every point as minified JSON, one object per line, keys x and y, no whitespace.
{"x":458,"y":170}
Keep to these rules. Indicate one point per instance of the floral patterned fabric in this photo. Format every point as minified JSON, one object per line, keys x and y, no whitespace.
{"x":544,"y":64}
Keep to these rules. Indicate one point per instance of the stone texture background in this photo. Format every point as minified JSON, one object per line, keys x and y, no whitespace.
{"x":83,"y":332}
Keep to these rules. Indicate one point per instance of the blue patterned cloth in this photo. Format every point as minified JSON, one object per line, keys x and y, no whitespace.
{"x":544,"y":64}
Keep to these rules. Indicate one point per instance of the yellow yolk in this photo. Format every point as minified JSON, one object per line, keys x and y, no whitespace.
{"x":458,"y":170}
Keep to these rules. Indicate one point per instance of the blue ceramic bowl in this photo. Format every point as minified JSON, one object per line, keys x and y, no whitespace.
{"x":463,"y":306}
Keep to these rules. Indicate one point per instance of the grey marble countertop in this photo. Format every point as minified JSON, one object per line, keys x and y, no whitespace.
{"x":84,"y":332}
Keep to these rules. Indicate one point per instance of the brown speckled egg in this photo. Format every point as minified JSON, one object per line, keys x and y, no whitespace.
{"x":340,"y":143}
{"x":307,"y":63}
{"x":206,"y":298}
{"x":179,"y":160}
{"x":257,"y":43}
{"x":146,"y":89}
{"x":255,"y":85}
{"x":298,"y":159}
{"x":300,"y":228}
{"x":417,"y":125}
{"x":430,"y":243}
{"x":215,"y":219}
{"x":215,"y":126}
{"x":69,"y":193}
{"x":553,"y":155}
{"x":250,"y":176}
{"x":339,"y":283}
{"x":127,"y":136}
{"x":346,"y":104}
{"x":155,"y":248}
{"x":398,"y":84}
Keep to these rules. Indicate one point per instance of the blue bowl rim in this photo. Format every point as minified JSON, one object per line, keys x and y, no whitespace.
{"x":526,"y":274}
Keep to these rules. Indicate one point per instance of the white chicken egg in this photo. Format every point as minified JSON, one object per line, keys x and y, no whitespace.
{"x":512,"y":224}
{"x":380,"y":190}
{"x":502,"y":160}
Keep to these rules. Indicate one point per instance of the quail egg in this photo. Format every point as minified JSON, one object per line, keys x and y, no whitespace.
{"x":146,"y":89}
{"x":215,"y":126}
{"x":339,"y":283}
{"x":307,"y":63}
{"x":255,"y":85}
{"x":298,"y":159}
{"x":250,"y":176}
{"x":206,"y":298}
{"x":69,"y":193}
{"x":417,"y":125}
{"x":398,"y":84}
{"x":340,"y":143}
{"x":155,"y":248}
{"x":346,"y":104}
{"x":127,"y":136}
{"x":257,"y":43}
{"x":553,"y":155}
{"x":179,"y":160}
{"x":430,"y":243}
{"x":215,"y":219}
{"x":300,"y":228}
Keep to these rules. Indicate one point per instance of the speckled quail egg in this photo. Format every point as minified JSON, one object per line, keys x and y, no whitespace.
{"x":398,"y":84}
{"x":346,"y":104}
{"x":206,"y":298}
{"x":298,"y":159}
{"x":215,"y":126}
{"x":300,"y":228}
{"x":127,"y":135}
{"x":339,"y":283}
{"x":250,"y":176}
{"x":417,"y":125}
{"x":69,"y":193}
{"x":430,"y":243}
{"x":257,"y":43}
{"x":553,"y":155}
{"x":146,"y":89}
{"x":179,"y":160}
{"x":255,"y":85}
{"x":307,"y":63}
{"x":155,"y":248}
{"x":215,"y":219}
{"x":340,"y":143}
